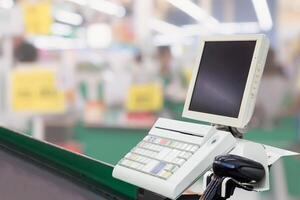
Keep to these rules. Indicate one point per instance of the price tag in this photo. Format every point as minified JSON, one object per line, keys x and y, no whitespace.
{"x":38,"y":17}
{"x":145,"y":98}
{"x":35,"y":90}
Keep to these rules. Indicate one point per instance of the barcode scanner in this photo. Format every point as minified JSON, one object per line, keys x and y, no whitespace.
{"x":239,"y":168}
{"x":229,"y":172}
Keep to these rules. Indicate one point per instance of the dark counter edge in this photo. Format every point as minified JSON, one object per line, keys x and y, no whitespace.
{"x":94,"y":174}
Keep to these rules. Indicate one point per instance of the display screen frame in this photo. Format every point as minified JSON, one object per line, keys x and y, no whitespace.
{"x":248,"y":97}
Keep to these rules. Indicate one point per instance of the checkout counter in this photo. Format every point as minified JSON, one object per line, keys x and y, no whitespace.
{"x":32,"y":169}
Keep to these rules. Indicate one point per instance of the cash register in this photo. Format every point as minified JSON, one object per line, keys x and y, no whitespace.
{"x":222,"y":93}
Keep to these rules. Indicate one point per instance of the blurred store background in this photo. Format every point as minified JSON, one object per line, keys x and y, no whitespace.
{"x":93,"y":75}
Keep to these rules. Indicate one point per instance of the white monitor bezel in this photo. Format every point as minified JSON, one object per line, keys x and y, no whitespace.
{"x":245,"y":108}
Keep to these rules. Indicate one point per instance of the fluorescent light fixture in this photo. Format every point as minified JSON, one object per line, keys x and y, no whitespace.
{"x":194,"y":11}
{"x":188,"y":31}
{"x":7,"y":4}
{"x":107,"y":7}
{"x":57,"y":43}
{"x":224,"y":28}
{"x":164,"y":27}
{"x":68,"y":17}
{"x":103,"y":6}
{"x":99,"y":36}
{"x":195,"y":30}
{"x":79,"y":2}
{"x":263,"y":14}
{"x":242,"y":27}
{"x":163,"y":40}
{"x":61,"y":29}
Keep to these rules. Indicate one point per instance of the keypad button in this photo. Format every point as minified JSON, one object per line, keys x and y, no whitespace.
{"x":194,"y":148}
{"x":164,"y":152}
{"x":165,"y":174}
{"x":150,"y":166}
{"x":178,"y":161}
{"x":158,"y":168}
{"x":173,"y":154}
{"x":186,"y":155}
{"x":189,"y":147}
{"x":169,"y":167}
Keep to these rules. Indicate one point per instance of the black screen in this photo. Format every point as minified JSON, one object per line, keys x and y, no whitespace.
{"x":222,"y":77}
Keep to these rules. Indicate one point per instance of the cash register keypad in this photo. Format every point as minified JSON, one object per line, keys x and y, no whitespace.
{"x":159,"y":157}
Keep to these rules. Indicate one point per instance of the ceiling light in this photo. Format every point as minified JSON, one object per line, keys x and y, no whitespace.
{"x":107,"y":7}
{"x":163,"y":40}
{"x":242,"y":27}
{"x":68,"y":17}
{"x":79,"y":2}
{"x":194,"y":11}
{"x":164,"y":27}
{"x":103,"y":6}
{"x":263,"y":14}
{"x":57,"y":43}
{"x":192,"y":30}
{"x":224,"y":28}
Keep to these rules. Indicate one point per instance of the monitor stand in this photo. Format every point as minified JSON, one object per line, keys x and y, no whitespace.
{"x":236,"y":132}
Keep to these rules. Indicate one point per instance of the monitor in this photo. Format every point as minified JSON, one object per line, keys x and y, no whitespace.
{"x":226,"y":78}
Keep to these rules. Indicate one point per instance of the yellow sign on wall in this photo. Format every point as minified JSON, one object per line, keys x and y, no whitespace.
{"x":35,"y":90}
{"x":145,"y":98}
{"x":38,"y":17}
